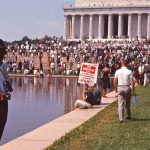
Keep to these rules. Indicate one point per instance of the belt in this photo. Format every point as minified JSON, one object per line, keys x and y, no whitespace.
{"x":124,"y":85}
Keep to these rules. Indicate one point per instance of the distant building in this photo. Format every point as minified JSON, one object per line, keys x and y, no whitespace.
{"x":107,"y":19}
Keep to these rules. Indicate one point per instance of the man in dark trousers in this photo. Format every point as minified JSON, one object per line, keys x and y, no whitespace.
{"x":5,"y":89}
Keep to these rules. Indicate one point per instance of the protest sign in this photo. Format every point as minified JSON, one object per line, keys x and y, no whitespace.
{"x":88,"y":74}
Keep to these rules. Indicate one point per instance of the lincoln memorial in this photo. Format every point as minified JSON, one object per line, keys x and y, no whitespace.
{"x":107,"y":19}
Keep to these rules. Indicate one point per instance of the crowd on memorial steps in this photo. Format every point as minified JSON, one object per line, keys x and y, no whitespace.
{"x":65,"y":57}
{"x":56,"y":56}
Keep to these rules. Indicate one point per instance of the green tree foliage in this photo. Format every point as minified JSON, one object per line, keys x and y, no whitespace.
{"x":24,"y":39}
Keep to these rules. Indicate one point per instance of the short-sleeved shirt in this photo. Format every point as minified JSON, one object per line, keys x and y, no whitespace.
{"x":123,"y":75}
{"x":3,"y":77}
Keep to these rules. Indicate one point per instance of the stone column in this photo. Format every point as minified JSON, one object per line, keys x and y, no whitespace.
{"x":81,"y":27}
{"x":139,"y":29}
{"x":148,"y":26}
{"x":91,"y":27}
{"x":120,"y":25}
{"x":130,"y":26}
{"x":70,"y":26}
{"x":65,"y":27}
{"x":110,"y":26}
{"x":73,"y":27}
{"x":100,"y":26}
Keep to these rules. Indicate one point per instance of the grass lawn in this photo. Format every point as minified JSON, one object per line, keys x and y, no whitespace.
{"x":104,"y":132}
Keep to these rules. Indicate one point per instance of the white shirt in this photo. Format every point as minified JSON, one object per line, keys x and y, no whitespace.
{"x":141,"y":69}
{"x":52,"y":65}
{"x":79,"y":65}
{"x":123,"y":75}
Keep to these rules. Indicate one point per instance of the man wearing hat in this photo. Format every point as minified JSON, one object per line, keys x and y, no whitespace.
{"x":122,"y":81}
{"x":5,"y":89}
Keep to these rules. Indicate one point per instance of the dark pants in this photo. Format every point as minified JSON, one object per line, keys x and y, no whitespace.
{"x":3,"y":115}
{"x":141,"y":77}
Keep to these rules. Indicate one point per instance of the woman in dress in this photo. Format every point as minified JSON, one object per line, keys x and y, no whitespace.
{"x":106,"y":79}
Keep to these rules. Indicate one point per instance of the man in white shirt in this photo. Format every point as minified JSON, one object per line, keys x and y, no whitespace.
{"x":122,"y":80}
{"x":52,"y":67}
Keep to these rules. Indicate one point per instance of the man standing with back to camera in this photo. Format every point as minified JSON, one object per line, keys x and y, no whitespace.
{"x":122,"y":81}
{"x":5,"y":89}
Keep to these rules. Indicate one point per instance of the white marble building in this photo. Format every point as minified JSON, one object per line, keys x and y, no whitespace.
{"x":107,"y":19}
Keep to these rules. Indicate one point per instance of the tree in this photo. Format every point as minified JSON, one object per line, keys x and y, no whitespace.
{"x":24,"y":39}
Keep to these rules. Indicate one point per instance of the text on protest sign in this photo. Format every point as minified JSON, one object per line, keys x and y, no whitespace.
{"x":88,"y":74}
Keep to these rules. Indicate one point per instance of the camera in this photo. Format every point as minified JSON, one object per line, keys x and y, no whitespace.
{"x":8,"y":86}
{"x":8,"y":89}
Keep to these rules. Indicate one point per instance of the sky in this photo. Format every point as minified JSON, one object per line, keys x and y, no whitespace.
{"x":32,"y":18}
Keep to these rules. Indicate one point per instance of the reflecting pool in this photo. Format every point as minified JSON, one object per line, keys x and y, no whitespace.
{"x":37,"y":101}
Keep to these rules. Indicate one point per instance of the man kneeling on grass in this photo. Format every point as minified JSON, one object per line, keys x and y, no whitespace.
{"x":88,"y":98}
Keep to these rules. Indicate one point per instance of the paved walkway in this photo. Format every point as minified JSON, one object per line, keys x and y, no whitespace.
{"x":44,"y":136}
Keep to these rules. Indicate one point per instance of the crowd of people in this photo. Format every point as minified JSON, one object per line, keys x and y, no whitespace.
{"x":64,"y":58}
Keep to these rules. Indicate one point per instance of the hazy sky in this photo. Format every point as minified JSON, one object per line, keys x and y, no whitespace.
{"x":34,"y":18}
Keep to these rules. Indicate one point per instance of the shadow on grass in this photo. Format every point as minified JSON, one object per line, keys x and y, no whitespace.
{"x":132,"y":120}
{"x":138,"y":119}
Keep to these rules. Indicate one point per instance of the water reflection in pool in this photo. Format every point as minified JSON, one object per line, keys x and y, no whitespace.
{"x":36,"y":101}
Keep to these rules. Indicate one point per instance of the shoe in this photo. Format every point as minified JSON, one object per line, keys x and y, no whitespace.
{"x":105,"y":96}
{"x":116,"y":95}
{"x":90,"y":106}
{"x":128,"y":118}
{"x":121,"y":121}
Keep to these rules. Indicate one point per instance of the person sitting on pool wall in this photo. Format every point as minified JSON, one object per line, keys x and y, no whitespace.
{"x":97,"y":96}
{"x":5,"y":89}
{"x":90,"y":98}
{"x":83,"y":104}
